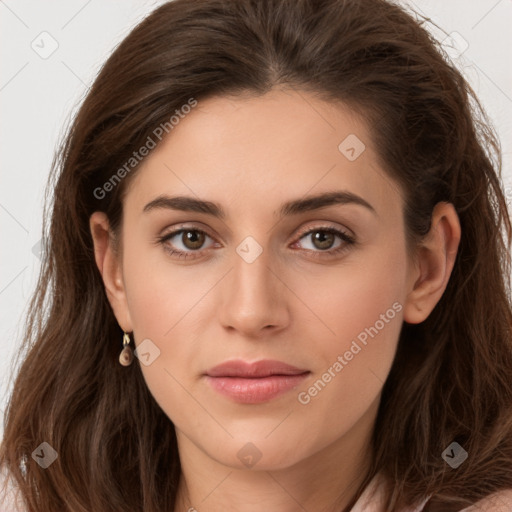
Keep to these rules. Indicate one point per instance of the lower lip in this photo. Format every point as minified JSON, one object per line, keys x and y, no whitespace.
{"x":255,"y":390}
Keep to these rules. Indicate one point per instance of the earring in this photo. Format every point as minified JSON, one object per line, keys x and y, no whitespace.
{"x":126,"y":355}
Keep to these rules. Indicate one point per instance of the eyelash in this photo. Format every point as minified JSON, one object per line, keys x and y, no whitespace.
{"x":346,"y":238}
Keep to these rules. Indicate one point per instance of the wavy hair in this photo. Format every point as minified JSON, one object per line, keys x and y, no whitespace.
{"x":451,"y":377}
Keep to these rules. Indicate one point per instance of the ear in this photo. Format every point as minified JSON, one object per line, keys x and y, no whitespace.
{"x":109,"y":265}
{"x":435,"y":258}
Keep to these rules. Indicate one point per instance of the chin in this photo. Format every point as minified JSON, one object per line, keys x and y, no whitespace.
{"x":259,"y":454}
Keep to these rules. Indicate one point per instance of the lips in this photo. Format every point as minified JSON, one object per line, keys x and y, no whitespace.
{"x":257,"y":382}
{"x":258,"y":369}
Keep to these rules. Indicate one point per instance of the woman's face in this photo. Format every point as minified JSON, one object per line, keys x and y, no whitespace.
{"x":307,"y":265}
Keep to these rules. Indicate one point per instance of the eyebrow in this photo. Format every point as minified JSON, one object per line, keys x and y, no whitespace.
{"x":294,"y":207}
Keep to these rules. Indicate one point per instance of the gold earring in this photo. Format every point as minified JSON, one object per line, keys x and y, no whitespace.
{"x":126,"y":355}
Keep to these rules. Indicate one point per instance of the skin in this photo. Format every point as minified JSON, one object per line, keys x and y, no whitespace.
{"x":251,"y":154}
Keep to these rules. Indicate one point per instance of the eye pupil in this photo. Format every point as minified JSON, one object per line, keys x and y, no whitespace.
{"x":193,"y":239}
{"x":325,"y":239}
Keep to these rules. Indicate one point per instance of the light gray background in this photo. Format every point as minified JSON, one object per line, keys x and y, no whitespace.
{"x":38,"y":96}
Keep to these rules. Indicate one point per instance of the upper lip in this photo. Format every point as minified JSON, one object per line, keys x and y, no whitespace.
{"x":264,"y":368}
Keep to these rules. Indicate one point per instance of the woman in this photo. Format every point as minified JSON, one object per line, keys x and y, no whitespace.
{"x":286,"y":209}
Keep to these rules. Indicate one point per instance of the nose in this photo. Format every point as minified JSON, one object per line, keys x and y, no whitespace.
{"x":254,"y":298}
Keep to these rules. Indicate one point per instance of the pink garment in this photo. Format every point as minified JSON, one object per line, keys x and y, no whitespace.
{"x":372,"y":498}
{"x":369,"y":501}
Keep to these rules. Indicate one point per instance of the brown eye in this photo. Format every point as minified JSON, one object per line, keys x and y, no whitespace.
{"x":324,"y":242}
{"x":192,"y":239}
{"x":323,"y":239}
{"x":184,"y":242}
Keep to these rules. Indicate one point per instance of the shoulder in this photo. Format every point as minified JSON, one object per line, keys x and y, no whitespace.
{"x":498,"y":502}
{"x":371,"y":500}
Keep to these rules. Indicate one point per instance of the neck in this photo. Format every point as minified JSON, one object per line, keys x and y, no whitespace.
{"x":325,"y":481}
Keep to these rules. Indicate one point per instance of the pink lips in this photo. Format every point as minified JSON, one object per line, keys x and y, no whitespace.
{"x":252,"y":383}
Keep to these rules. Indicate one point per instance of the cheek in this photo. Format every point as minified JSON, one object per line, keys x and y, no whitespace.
{"x":361,"y":313}
{"x":162,"y":301}
{"x":360,"y":299}
{"x":352,"y":311}
{"x":159,"y":294}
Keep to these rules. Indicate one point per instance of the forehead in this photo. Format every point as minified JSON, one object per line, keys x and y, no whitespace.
{"x":255,"y":152}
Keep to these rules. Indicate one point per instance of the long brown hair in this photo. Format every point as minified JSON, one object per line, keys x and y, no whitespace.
{"x":451,"y":380}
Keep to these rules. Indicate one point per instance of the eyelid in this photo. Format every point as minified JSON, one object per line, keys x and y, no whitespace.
{"x":344,"y":234}
{"x":325,"y":227}
{"x":176,"y":230}
{"x":301,"y":232}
